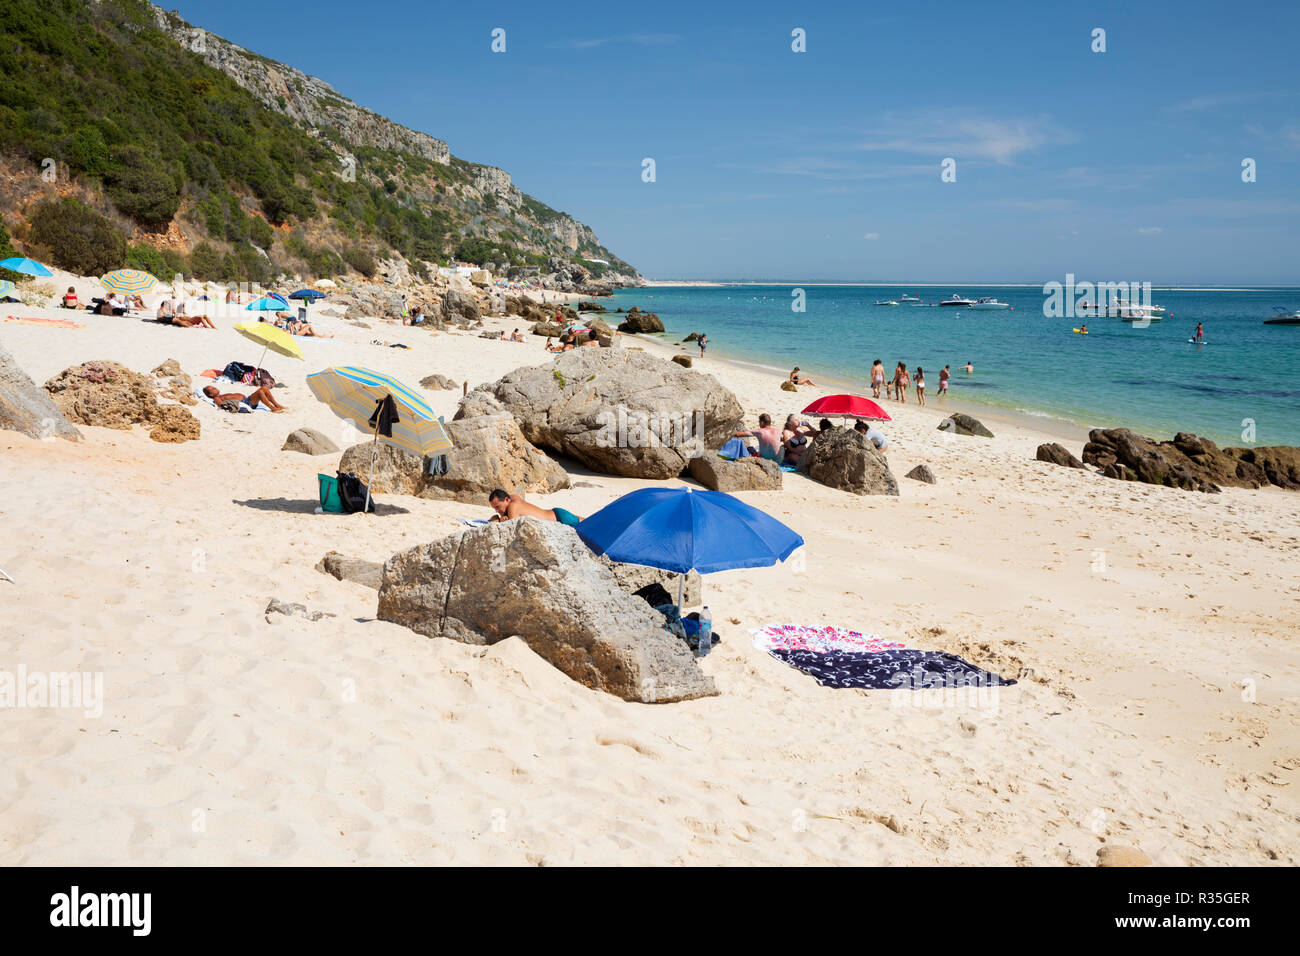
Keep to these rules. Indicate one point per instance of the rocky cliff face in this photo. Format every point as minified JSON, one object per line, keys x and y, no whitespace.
{"x":309,"y":100}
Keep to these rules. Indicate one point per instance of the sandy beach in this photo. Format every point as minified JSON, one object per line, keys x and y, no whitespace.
{"x":1151,"y":630}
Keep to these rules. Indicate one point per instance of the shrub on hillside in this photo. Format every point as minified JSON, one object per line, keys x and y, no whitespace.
{"x":360,"y":260}
{"x":142,"y":187}
{"x":205,"y":263}
{"x":162,"y":264}
{"x":77,"y":238}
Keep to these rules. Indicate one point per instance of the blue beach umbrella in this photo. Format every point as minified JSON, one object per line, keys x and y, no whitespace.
{"x":311,"y":295}
{"x":679,"y":529}
{"x":268,"y":303}
{"x":26,"y":266}
{"x":372,"y":401}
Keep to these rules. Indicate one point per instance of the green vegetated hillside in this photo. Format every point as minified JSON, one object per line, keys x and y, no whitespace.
{"x":165,"y":163}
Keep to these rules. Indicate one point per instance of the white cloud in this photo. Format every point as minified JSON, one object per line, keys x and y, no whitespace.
{"x":871,"y":235}
{"x":1149,"y":230}
{"x":949,"y":133}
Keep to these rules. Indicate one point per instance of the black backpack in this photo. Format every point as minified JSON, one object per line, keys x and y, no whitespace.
{"x":352,"y":493}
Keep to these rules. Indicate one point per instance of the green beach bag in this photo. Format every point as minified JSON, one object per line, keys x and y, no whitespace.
{"x":330,"y":502}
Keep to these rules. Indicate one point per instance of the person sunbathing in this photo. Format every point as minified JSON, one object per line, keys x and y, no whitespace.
{"x":796,"y":379}
{"x":168,"y":315}
{"x":769,"y":438}
{"x":70,"y":299}
{"x":794,"y":438}
{"x":515,"y":336}
{"x":234,"y":402}
{"x":296,"y":327}
{"x":509,"y":506}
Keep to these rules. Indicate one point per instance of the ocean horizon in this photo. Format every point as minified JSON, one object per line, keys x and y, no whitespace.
{"x":1232,"y":389}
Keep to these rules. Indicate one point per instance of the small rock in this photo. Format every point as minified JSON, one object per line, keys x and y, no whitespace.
{"x":1057,"y":454}
{"x":749,"y":474}
{"x":436,"y":382}
{"x":1112,"y":855}
{"x":789,"y":386}
{"x":961,"y":424}
{"x":340,"y":566}
{"x":310,"y":442}
{"x":683,"y":360}
{"x":174,"y":424}
{"x":292,"y":610}
{"x":922,"y":473}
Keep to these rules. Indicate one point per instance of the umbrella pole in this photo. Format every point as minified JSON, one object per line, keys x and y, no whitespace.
{"x":681,"y":579}
{"x":373,"y":446}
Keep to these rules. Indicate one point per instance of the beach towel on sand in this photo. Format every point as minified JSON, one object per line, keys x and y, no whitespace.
{"x":844,"y":657}
{"x":887,"y":670}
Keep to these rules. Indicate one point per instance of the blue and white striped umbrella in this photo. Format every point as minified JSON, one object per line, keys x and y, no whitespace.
{"x":356,"y":393}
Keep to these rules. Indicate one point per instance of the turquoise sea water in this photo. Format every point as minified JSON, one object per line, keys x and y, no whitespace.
{"x":1149,"y":379}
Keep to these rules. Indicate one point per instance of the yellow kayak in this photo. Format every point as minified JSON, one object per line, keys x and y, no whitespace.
{"x":1078,"y":331}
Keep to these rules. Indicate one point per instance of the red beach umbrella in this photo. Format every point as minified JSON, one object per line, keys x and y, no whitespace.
{"x":847,"y":406}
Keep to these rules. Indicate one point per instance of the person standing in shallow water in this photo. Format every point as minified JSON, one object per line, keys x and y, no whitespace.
{"x":702,"y":341}
{"x":877,"y":378}
{"x":919,"y":381}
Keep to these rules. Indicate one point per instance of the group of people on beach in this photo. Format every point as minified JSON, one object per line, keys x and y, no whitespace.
{"x":896,"y":386}
{"x":788,"y":445}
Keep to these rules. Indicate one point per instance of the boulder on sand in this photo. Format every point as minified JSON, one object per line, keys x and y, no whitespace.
{"x":633,"y":577}
{"x":619,"y":411}
{"x":108,"y":395}
{"x":1057,"y":454}
{"x":922,"y":473}
{"x":537,"y":580}
{"x":641,"y":322}
{"x":439,"y":382}
{"x":747,"y":474}
{"x":961,"y":424}
{"x":845,"y":459}
{"x":457,"y":303}
{"x":489,"y":452}
{"x":685,"y":361}
{"x":310,"y":442}
{"x":26,"y":407}
{"x":366,"y":573}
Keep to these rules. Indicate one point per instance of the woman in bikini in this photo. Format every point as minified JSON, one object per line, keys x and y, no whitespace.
{"x":901,"y":382}
{"x":877,"y":378}
{"x":920,"y":385}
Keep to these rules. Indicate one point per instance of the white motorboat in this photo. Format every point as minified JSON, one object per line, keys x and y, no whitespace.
{"x":1123,"y":309}
{"x":1282,"y":317}
{"x":989,"y":303}
{"x":909,"y":298}
{"x":887,"y":302}
{"x":956,"y":300}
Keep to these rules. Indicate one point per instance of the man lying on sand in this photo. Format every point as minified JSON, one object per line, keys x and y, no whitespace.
{"x":234,"y":402}
{"x":509,"y":506}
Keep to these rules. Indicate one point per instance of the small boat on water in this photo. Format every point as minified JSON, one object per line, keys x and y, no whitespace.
{"x":887,"y":302}
{"x":909,"y":298}
{"x":1123,"y":309}
{"x":956,"y":300}
{"x":1282,"y":317}
{"x":989,"y":303}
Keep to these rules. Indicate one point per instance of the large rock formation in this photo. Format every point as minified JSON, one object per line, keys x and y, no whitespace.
{"x":747,"y":474}
{"x":633,"y":577}
{"x":109,"y":395}
{"x":26,"y":407}
{"x":845,"y":459}
{"x":490,"y":452}
{"x":366,"y":573}
{"x":1190,"y":462}
{"x":537,"y":580}
{"x":618,"y":411}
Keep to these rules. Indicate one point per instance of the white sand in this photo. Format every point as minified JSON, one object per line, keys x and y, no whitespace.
{"x":225,"y":739}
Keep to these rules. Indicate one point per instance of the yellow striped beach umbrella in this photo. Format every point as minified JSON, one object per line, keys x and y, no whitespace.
{"x":128,"y":281}
{"x":5,"y":287}
{"x":373,"y":402}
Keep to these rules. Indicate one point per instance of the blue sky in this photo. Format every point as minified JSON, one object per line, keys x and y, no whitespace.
{"x":825,"y":165}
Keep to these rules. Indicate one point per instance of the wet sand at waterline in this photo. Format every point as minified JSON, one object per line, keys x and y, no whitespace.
{"x":1153,"y":631}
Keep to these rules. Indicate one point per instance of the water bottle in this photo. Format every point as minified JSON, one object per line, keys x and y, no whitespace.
{"x":705,"y":640}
